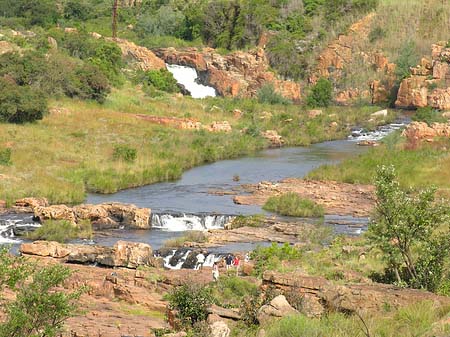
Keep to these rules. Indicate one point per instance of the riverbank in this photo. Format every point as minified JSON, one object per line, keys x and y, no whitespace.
{"x":86,"y":147}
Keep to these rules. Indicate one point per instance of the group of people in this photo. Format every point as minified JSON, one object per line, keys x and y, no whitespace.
{"x":230,"y":262}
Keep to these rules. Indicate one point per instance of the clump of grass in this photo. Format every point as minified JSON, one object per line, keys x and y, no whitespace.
{"x":249,"y":221}
{"x":125,"y":153}
{"x":5,"y":156}
{"x":291,"y":204}
{"x":230,"y":290}
{"x":190,"y":236}
{"x":61,"y":231}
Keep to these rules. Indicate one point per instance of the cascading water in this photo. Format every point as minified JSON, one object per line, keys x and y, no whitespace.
{"x":186,"y":259}
{"x":184,"y":222}
{"x":11,"y":225}
{"x":188,"y":77}
{"x":360,"y":134}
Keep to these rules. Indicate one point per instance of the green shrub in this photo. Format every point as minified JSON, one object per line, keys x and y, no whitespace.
{"x":269,"y":258}
{"x":321,"y":94}
{"x":428,"y":115}
{"x":191,"y":302}
{"x":5,"y":156}
{"x":20,"y":104}
{"x":89,"y":82}
{"x":267,"y":94}
{"x":125,"y":153}
{"x":229,"y":290}
{"x":190,"y":236}
{"x":407,"y":58}
{"x":61,"y":231}
{"x":250,"y":221}
{"x":161,"y":79}
{"x":291,"y":204}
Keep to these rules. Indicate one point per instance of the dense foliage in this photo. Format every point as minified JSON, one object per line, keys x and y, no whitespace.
{"x":412,"y":231}
{"x":291,"y":204}
{"x":321,"y":94}
{"x":38,"y":310}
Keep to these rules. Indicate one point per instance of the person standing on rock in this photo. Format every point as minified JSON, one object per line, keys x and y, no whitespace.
{"x":215,"y":272}
{"x":236,"y":263}
{"x":229,"y":261}
{"x":200,"y":261}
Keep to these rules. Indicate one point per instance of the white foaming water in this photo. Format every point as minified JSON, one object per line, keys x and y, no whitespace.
{"x":189,"y":222}
{"x":361,"y":134}
{"x":187,"y":76}
{"x":9,"y":226}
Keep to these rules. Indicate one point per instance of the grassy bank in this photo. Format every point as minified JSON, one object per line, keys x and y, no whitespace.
{"x":421,"y":167}
{"x":74,"y":149}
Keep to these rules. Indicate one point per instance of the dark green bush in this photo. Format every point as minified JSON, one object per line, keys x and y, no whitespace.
{"x":428,"y":115}
{"x":20,"y":104}
{"x":250,"y":221}
{"x":321,"y":94}
{"x":125,"y":153}
{"x":191,"y":301}
{"x":89,"y":82}
{"x":267,"y":94}
{"x":5,"y":156}
{"x":291,"y":204}
{"x":408,"y":57}
{"x":161,"y":79}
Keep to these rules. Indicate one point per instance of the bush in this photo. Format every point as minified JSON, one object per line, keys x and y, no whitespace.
{"x":125,"y":153}
{"x":321,"y":94}
{"x":20,"y":104}
{"x":190,"y":236}
{"x":89,"y":82}
{"x":5,"y":156}
{"x":267,"y":94}
{"x":161,"y":79}
{"x":61,"y":231}
{"x":291,"y":204}
{"x":428,"y":115}
{"x":407,"y":58}
{"x":250,"y":221}
{"x":191,"y":302}
{"x":269,"y":258}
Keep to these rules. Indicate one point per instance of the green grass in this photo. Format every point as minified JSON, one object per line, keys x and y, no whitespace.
{"x":61,"y":231}
{"x":70,"y":152}
{"x":417,"y":320}
{"x":427,"y":165}
{"x":230,"y":290}
{"x":291,"y":204}
{"x":190,"y":236}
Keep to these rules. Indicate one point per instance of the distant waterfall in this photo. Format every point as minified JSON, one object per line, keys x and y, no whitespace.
{"x":179,"y":222}
{"x":11,"y":225}
{"x":188,"y":78}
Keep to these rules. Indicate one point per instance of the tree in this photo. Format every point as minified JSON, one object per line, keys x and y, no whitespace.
{"x":411,"y":230}
{"x":321,"y":94}
{"x":38,"y":310}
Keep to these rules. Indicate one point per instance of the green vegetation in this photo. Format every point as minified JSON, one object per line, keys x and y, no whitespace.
{"x":250,"y":221}
{"x":230,"y":290}
{"x":190,"y":236}
{"x":412,"y":230}
{"x":191,"y":302}
{"x":291,"y":204}
{"x":5,"y":156}
{"x":267,"y":258}
{"x":267,"y":94}
{"x":38,"y":309}
{"x":417,"y":168}
{"x":428,"y":115}
{"x":125,"y":153}
{"x":61,"y":231}
{"x":321,"y":94}
{"x":157,"y":80}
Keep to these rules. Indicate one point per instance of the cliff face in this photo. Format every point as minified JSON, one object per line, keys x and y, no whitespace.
{"x":239,"y":74}
{"x":429,"y":84}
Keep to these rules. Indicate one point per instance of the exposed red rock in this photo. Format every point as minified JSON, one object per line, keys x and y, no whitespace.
{"x":239,"y":74}
{"x":336,"y":198}
{"x":141,"y":57}
{"x":417,"y":131}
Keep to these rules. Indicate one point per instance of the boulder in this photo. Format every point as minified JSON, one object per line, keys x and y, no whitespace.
{"x":413,"y":92}
{"x":141,"y":57}
{"x":32,"y":202}
{"x":440,"y":99}
{"x":277,"y":308}
{"x":381,"y":113}
{"x":45,"y":248}
{"x":55,"y":212}
{"x":122,"y":254}
{"x":2,"y":204}
{"x":220,"y":127}
{"x":314,"y":113}
{"x":220,"y":329}
{"x":52,"y":42}
{"x":224,"y":312}
{"x":272,"y":135}
{"x":132,"y":254}
{"x":421,"y":131}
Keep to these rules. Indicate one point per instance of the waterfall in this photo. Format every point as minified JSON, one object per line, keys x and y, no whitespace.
{"x":12,"y":225}
{"x":188,"y":77}
{"x":184,"y":222}
{"x":186,"y":259}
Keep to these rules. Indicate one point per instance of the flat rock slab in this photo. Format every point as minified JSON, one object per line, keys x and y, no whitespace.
{"x":337,"y":198}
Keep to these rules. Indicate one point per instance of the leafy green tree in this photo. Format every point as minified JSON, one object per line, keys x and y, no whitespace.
{"x":411,"y":230}
{"x":20,"y":104}
{"x":38,"y":309}
{"x":407,"y":58}
{"x":321,"y":94}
